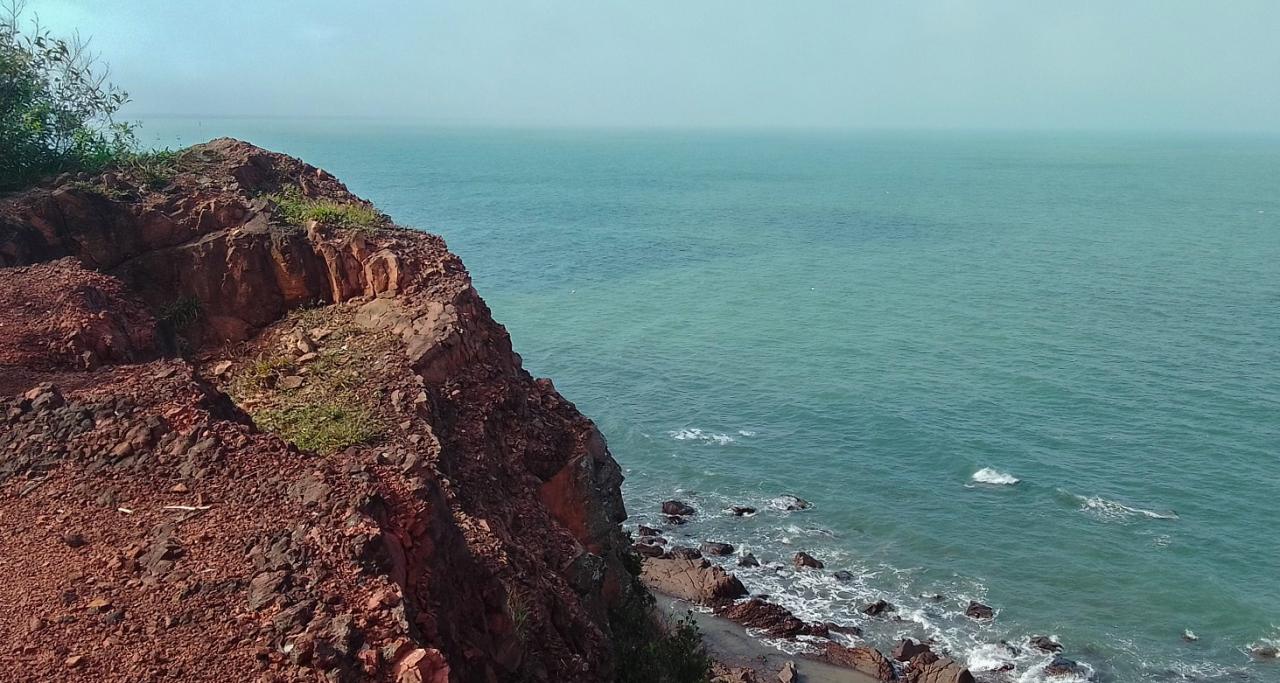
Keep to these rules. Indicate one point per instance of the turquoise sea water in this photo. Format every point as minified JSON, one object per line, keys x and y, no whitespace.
{"x":866,"y":320}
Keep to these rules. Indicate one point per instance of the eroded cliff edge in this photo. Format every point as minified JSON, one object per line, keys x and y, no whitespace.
{"x":456,"y":519}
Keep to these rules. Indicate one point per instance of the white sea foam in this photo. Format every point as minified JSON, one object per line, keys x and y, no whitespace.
{"x":746,"y":432}
{"x":1110,"y":509}
{"x":987,"y":475}
{"x":695,"y":434}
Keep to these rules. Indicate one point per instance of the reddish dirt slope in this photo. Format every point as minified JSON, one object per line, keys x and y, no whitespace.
{"x":152,"y":532}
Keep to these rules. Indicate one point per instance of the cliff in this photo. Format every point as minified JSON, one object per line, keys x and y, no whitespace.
{"x":256,"y":431}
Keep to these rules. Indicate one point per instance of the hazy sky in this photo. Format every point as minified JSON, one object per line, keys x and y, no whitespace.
{"x":1131,"y":64}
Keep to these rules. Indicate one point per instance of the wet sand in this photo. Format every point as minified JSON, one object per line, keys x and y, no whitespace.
{"x":730,"y":644}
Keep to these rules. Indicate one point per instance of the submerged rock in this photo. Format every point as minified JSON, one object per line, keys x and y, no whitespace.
{"x":741,"y":511}
{"x":842,"y":575}
{"x":789,"y":503}
{"x":877,"y":608}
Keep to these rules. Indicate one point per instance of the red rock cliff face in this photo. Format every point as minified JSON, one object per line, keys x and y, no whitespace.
{"x":161,"y":534}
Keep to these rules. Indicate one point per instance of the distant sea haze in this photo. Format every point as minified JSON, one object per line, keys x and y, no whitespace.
{"x":1041,"y":371}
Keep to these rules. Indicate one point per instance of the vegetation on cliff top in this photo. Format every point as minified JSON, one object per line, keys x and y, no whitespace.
{"x":295,"y":209}
{"x":56,"y":105}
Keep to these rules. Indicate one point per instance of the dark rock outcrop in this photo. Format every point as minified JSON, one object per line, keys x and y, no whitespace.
{"x":864,"y":659}
{"x":803,"y":560}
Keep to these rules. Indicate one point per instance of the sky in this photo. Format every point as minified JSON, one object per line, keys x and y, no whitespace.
{"x":934,"y":64}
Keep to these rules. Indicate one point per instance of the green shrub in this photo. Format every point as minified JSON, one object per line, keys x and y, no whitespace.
{"x":646,"y":651}
{"x":295,"y":209}
{"x":56,"y":106}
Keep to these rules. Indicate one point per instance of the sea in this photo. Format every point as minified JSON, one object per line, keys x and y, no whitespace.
{"x":1038,"y":370}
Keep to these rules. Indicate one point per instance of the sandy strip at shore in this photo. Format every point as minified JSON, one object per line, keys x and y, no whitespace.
{"x":730,"y":644}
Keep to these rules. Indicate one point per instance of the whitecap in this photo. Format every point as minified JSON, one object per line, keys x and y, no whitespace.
{"x":988,"y":475}
{"x":746,"y":432}
{"x":694,"y":434}
{"x":1110,"y":509}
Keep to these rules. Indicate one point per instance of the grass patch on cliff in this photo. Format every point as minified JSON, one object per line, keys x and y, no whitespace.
{"x":321,"y":427}
{"x":295,"y":209}
{"x":322,"y":401}
{"x":649,"y":651}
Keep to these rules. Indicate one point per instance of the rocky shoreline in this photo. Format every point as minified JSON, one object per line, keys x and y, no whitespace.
{"x":687,"y":574}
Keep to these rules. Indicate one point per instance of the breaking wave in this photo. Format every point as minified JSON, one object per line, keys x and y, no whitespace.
{"x":987,"y":475}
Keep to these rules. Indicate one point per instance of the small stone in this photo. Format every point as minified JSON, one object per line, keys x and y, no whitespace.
{"x":308,"y":357}
{"x":74,"y":661}
{"x":788,"y":673}
{"x":291,"y":382}
{"x":179,"y":488}
{"x":221,"y":369}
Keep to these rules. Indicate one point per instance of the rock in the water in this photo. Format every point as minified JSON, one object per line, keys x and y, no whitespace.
{"x":841,"y":628}
{"x":1265,"y":651}
{"x":748,"y":560}
{"x":714,"y":548}
{"x":789,"y":503}
{"x":1061,"y":666}
{"x":1190,"y":636}
{"x":1045,"y":644}
{"x":742,"y":510}
{"x":675,"y":520}
{"x":692,"y":580}
{"x":807,"y":561}
{"x":675,"y":507}
{"x":867,"y":660}
{"x":906,"y":649}
{"x":843,"y":575}
{"x":643,"y":530}
{"x":977,"y":610}
{"x":877,"y":608}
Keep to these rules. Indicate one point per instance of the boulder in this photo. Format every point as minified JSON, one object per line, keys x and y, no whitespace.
{"x":647,"y":549}
{"x":877,"y":608}
{"x":775,"y":620}
{"x":977,"y":610}
{"x":714,"y":548}
{"x":843,"y":575}
{"x":675,"y":507}
{"x":748,"y":560}
{"x":788,"y":673}
{"x":940,"y":670}
{"x":692,"y":580}
{"x":682,"y":553}
{"x":806,"y":561}
{"x":864,"y":659}
{"x":906,"y":649}
{"x":643,"y":530}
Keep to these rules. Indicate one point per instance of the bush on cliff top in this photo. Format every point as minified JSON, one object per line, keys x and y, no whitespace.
{"x":56,"y":105}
